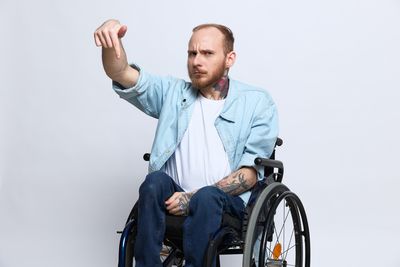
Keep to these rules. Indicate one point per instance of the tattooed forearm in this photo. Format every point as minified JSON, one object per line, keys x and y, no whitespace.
{"x":235,"y":183}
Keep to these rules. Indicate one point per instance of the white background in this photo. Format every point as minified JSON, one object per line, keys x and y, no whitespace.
{"x":70,"y":149}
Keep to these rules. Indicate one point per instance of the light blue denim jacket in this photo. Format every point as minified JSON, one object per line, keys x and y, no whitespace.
{"x":247,"y":125}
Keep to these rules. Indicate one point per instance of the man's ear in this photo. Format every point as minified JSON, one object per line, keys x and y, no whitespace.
{"x":230,"y":59}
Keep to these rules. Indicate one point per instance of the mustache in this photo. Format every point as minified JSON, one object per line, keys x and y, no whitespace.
{"x":197,"y":70}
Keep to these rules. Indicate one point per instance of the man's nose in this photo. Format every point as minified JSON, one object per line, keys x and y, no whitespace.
{"x":197,"y":60}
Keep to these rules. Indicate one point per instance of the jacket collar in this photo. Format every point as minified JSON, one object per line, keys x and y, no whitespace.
{"x":229,"y":111}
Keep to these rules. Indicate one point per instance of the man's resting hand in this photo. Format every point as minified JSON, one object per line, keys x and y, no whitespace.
{"x":178,"y":203}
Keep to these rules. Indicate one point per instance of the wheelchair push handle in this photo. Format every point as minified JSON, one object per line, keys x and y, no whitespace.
{"x":278,"y":142}
{"x":269,"y":166}
{"x":269,"y":163}
{"x":146,"y":157}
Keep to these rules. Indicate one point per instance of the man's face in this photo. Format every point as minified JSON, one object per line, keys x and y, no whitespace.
{"x":206,"y":57}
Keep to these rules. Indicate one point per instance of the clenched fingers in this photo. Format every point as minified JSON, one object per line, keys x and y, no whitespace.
{"x":174,"y":204}
{"x":108,"y":34}
{"x":173,"y":201}
{"x":178,"y":203}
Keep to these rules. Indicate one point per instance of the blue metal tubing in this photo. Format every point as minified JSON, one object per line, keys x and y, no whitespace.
{"x":123,"y":243}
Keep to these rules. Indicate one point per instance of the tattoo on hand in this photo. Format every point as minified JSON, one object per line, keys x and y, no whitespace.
{"x":183,"y":203}
{"x":233,"y":184}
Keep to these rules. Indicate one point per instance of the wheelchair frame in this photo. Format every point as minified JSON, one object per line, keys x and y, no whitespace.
{"x":256,"y":237}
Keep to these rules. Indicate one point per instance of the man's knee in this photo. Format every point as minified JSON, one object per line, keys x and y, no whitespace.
{"x":154,"y":183}
{"x":206,"y":196}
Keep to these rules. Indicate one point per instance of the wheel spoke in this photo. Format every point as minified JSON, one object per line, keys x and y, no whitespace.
{"x":290,"y":241}
{"x":287,"y":250}
{"x":283,"y":240}
{"x":278,"y":236}
{"x":283,"y":216}
{"x":283,"y":224}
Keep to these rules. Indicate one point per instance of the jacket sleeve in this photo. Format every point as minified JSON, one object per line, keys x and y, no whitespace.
{"x":263,"y":135}
{"x":149,"y":93}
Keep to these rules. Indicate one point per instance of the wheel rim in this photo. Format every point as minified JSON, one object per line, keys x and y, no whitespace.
{"x":281,"y":241}
{"x":279,"y":235}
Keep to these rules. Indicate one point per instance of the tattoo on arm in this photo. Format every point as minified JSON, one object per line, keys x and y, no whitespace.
{"x":234,"y":184}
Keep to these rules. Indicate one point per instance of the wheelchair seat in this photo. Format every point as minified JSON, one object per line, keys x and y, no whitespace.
{"x":174,"y":233}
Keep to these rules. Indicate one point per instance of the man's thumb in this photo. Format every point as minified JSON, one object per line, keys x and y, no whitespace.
{"x":122,"y":31}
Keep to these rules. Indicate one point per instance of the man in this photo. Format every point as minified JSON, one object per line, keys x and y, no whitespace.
{"x":209,"y":132}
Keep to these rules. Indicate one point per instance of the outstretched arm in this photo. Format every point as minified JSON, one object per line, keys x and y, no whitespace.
{"x":108,"y":36}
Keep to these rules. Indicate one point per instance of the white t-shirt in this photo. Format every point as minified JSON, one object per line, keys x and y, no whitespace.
{"x":200,"y":158}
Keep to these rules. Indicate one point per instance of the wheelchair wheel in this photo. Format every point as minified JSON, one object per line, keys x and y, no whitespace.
{"x":277,"y":232}
{"x":169,"y":255}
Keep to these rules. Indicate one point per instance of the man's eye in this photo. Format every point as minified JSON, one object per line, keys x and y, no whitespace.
{"x":192,"y":54}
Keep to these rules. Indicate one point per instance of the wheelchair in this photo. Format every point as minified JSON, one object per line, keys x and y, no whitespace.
{"x":273,"y":233}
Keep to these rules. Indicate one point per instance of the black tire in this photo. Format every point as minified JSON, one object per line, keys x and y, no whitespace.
{"x":129,"y":250}
{"x":277,"y":212}
{"x":130,"y":244}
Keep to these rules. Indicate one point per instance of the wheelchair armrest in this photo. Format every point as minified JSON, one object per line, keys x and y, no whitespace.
{"x":271,"y":163}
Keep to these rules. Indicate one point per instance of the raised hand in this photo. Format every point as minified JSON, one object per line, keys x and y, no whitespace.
{"x":115,"y":63}
{"x":108,"y":35}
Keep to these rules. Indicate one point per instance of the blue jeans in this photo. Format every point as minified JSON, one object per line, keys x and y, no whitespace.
{"x":206,"y":209}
